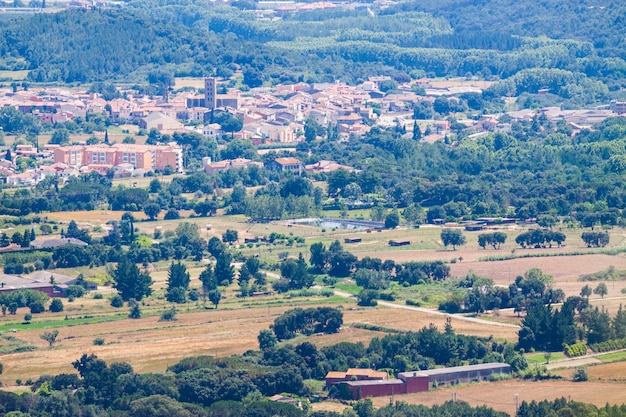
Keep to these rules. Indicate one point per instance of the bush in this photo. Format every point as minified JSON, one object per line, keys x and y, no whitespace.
{"x":56,"y":305}
{"x":98,"y":296}
{"x":117,"y":301}
{"x":75,"y":291}
{"x":581,"y":375}
{"x":169,"y":315}
{"x":577,"y":349}
{"x":99,"y":341}
{"x":37,"y":307}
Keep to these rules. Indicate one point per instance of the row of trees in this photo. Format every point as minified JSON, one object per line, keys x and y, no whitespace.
{"x":546,"y":328}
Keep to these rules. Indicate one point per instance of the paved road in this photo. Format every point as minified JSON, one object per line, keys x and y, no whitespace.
{"x":433,"y":312}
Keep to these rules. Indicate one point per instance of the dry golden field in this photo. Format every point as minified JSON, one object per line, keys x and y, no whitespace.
{"x":499,"y":395}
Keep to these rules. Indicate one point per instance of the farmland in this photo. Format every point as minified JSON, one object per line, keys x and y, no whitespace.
{"x":151,"y":345}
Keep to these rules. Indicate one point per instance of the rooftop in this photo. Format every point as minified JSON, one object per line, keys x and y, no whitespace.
{"x":466,"y":368}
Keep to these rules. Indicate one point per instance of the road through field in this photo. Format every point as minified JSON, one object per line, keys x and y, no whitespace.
{"x":433,"y":312}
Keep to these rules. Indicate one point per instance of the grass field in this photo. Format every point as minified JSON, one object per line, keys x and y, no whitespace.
{"x":13,"y":75}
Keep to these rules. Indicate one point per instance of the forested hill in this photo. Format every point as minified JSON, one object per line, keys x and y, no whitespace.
{"x":490,"y":39}
{"x":601,"y":22}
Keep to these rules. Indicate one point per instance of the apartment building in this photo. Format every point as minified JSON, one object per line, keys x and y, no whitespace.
{"x":143,"y":157}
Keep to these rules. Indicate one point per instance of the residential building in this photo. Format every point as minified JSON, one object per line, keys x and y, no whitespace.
{"x":288,"y":164}
{"x":142,"y":157}
{"x":69,"y":155}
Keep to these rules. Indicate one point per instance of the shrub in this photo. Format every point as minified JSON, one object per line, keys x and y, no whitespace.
{"x":168,"y":315}
{"x":75,"y":291}
{"x":98,"y":296}
{"x":99,"y":341}
{"x":117,"y":301}
{"x":580,"y":375}
{"x":37,"y":307}
{"x":577,"y":349}
{"x":56,"y":305}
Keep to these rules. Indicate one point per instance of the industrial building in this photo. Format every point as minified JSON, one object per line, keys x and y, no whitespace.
{"x":416,"y":381}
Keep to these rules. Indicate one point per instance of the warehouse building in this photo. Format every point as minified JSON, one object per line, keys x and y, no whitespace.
{"x":421,"y":381}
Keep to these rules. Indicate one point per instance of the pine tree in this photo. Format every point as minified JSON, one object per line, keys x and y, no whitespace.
{"x":417,"y":132}
{"x":130,"y":282}
{"x":177,"y":283}
{"x":208,"y":279}
{"x":224,"y":271}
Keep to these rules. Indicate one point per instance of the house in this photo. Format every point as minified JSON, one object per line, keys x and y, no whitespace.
{"x":50,"y":283}
{"x":55,"y":243}
{"x":288,"y":164}
{"x":212,"y":130}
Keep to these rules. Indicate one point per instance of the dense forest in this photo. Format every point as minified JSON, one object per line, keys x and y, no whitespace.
{"x":408,"y":40}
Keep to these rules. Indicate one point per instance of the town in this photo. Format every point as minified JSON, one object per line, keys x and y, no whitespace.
{"x":268,"y":117}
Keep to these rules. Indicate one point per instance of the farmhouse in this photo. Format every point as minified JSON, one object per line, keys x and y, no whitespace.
{"x":55,"y":243}
{"x":417,"y":381}
{"x":50,"y":283}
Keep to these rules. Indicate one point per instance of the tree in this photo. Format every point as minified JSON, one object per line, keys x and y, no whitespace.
{"x":130,"y":282}
{"x":206,"y":207}
{"x":208,"y":279}
{"x":601,"y":290}
{"x":392,"y":220}
{"x":267,"y":339}
{"x":367,"y":298}
{"x":50,"y":337}
{"x":177,"y":283}
{"x":413,"y":214}
{"x":215,"y":296}
{"x":152,"y":210}
{"x":224,"y":271}
{"x":158,"y":406}
{"x":56,"y":305}
{"x":494,"y":239}
{"x":230,"y":236}
{"x":585,"y":291}
{"x":215,"y":247}
{"x":135,"y":312}
{"x":319,"y":257}
{"x":452,"y":237}
{"x":60,"y":136}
